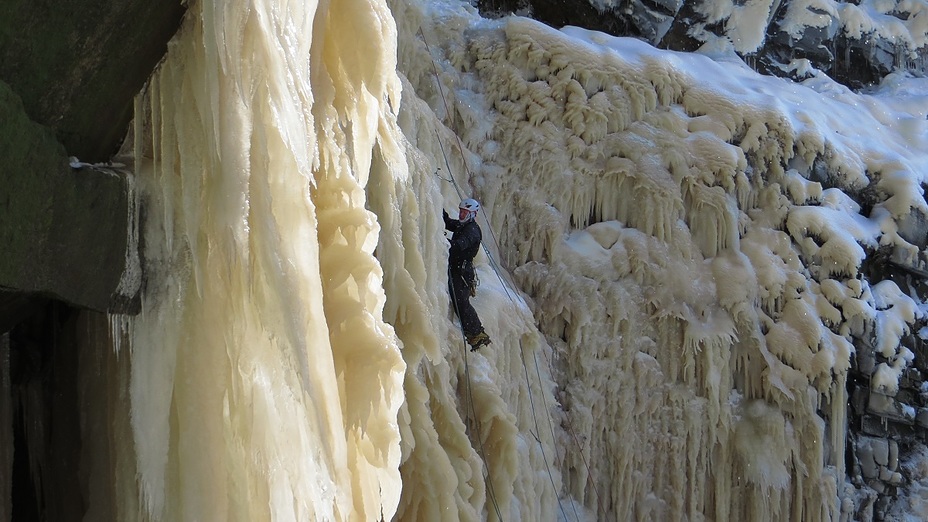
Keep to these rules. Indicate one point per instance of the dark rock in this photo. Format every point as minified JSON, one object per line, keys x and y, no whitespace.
{"x":910,"y":379}
{"x":889,"y":408}
{"x":920,"y":349}
{"x":921,"y":418}
{"x":69,"y":73}
{"x":912,"y":228}
{"x":78,"y":65}
{"x":866,"y":362}
{"x":874,"y":425}
{"x":893,"y":464}
{"x":814,"y":44}
{"x":859,"y":400}
{"x":64,"y":232}
{"x":858,"y":61}
{"x":906,"y":395}
{"x":868,"y":466}
{"x":880,"y":451}
{"x":558,"y":13}
{"x":654,"y":17}
{"x":17,"y":306}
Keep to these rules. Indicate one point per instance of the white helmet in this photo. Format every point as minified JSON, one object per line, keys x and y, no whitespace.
{"x":470,"y":205}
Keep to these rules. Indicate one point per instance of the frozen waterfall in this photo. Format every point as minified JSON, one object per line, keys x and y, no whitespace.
{"x":672,"y":273}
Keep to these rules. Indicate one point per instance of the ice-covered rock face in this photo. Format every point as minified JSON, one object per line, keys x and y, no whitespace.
{"x":696,"y":241}
{"x":684,"y":275}
{"x":856,"y":43}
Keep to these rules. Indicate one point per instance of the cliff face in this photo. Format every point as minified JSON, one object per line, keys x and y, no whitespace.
{"x":857,"y":43}
{"x":68,"y":76}
{"x":78,"y":67}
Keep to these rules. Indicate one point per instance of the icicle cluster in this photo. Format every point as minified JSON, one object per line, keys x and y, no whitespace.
{"x":701,"y":292}
{"x":672,"y":277}
{"x":264,"y":382}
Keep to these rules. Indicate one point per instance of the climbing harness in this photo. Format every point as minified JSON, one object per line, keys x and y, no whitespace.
{"x":473,"y":284}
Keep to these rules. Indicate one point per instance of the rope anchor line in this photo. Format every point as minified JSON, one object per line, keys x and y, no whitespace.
{"x":496,"y":269}
{"x":442,"y":177}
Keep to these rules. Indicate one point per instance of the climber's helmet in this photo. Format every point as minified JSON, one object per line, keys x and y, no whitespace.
{"x":468,"y":210}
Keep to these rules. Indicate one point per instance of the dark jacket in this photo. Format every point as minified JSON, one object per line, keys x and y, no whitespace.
{"x":465,"y":242}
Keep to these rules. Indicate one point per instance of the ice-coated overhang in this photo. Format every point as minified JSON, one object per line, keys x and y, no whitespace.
{"x":69,"y":72}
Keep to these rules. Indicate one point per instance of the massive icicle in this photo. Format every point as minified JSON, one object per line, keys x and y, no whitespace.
{"x":678,"y":318}
{"x":265,"y":383}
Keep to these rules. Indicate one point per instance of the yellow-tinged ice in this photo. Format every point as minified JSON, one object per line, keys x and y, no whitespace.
{"x":671,"y":305}
{"x":265,"y":383}
{"x":673,"y":284}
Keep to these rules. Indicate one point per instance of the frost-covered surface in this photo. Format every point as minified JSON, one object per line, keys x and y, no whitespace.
{"x":264,"y":382}
{"x":901,"y":23}
{"x":913,"y":505}
{"x":857,"y":42}
{"x":674,"y":278}
{"x":691,"y":236}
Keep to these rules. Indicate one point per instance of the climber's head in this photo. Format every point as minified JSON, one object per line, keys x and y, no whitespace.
{"x":468,"y":210}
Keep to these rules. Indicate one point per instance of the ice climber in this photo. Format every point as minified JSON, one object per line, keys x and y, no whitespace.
{"x":462,"y":283}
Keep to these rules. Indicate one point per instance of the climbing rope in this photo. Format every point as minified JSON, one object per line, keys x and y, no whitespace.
{"x":473,"y":410}
{"x":573,"y":435}
{"x":505,"y":286}
{"x":531,"y":402}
